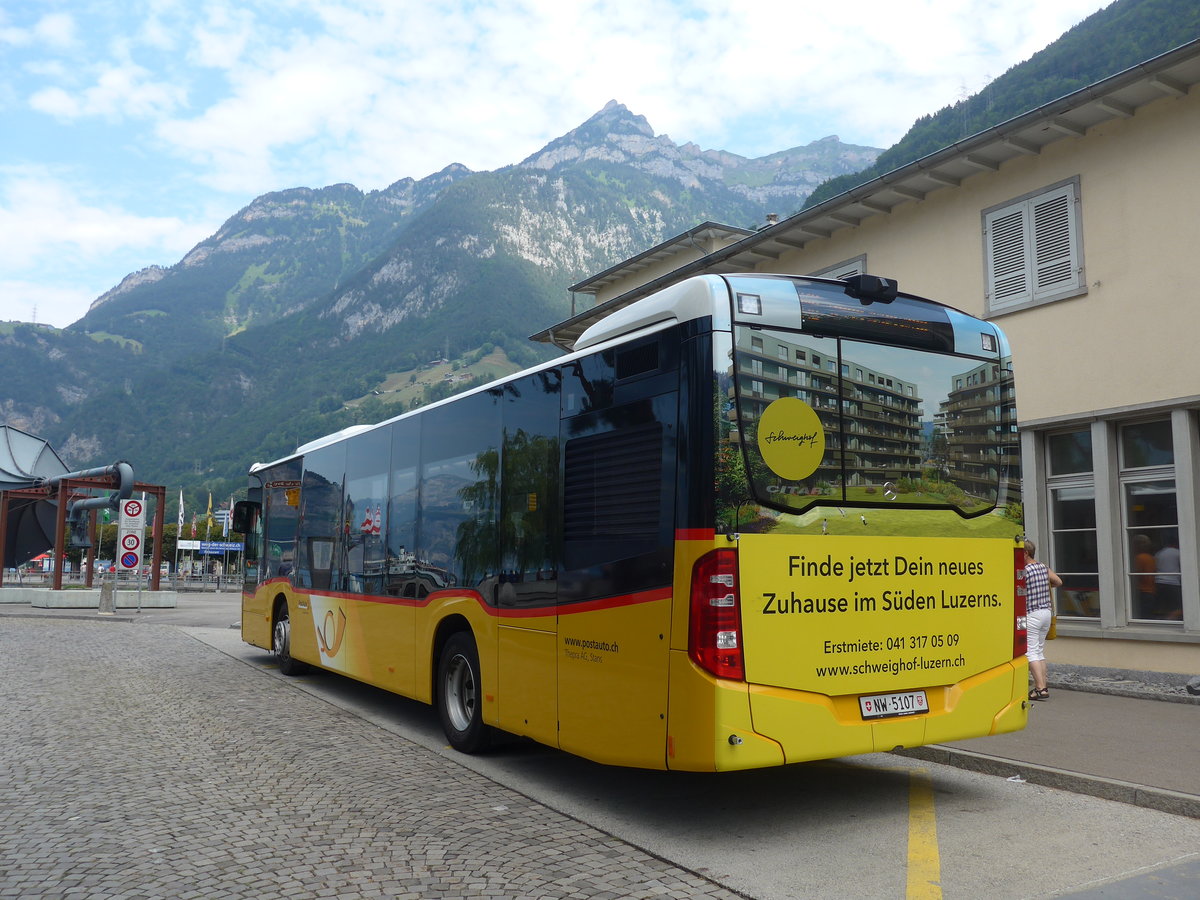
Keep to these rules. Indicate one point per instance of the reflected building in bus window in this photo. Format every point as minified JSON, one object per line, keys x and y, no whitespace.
{"x":975,"y":432}
{"x":872,"y":419}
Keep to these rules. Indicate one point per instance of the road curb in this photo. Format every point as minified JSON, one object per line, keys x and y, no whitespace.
{"x":1159,"y":799}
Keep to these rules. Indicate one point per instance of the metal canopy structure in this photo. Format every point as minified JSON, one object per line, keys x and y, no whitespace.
{"x":26,"y":461}
{"x":36,"y":492}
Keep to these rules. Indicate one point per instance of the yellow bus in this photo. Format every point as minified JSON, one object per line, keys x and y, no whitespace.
{"x":748,"y":520}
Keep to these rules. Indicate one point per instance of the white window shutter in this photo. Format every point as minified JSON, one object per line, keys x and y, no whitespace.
{"x":1033,"y":249}
{"x":1056,"y":262}
{"x":1007,"y":257}
{"x":856,"y":266}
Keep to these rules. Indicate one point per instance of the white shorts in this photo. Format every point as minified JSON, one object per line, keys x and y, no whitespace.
{"x":1038,"y":625}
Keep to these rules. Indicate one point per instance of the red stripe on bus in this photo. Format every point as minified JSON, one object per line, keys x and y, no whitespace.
{"x":695,"y":534}
{"x":560,"y":609}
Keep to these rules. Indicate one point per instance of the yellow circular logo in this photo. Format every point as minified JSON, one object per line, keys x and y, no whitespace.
{"x":791,"y":438}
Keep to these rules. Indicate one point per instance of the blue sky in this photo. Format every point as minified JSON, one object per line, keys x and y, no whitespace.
{"x":131,"y":129}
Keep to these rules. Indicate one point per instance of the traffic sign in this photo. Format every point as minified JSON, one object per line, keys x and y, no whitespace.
{"x":130,"y":532}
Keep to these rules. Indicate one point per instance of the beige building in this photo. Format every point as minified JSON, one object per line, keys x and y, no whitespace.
{"x":1072,"y":227}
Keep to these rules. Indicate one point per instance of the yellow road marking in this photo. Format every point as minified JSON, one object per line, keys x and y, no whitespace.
{"x":924,"y":864}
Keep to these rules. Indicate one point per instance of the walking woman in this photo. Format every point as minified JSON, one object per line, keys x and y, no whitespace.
{"x":1039,"y":579}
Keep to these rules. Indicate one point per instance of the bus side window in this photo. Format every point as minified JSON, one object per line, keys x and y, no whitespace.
{"x":247,"y":521}
{"x":282,"y":514}
{"x":530,"y":503}
{"x":460,"y":457}
{"x":322,"y":521}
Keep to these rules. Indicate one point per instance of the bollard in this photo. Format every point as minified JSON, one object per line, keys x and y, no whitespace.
{"x":106,"y":598}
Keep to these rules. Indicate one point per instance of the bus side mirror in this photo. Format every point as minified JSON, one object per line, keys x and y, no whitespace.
{"x":245,"y":512}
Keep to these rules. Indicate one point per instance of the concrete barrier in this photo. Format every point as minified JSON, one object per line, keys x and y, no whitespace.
{"x":88,"y":598}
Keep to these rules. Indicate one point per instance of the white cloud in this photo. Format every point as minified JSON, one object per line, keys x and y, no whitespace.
{"x":56,"y":30}
{"x":46,"y":303}
{"x":41,"y":215}
{"x":117,"y":92}
{"x":48,"y":231}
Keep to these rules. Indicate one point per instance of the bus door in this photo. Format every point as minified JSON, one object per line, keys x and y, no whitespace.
{"x":275,"y":537}
{"x":525,"y":593}
{"x":619,"y":461}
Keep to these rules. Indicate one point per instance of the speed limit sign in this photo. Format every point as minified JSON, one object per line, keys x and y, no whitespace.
{"x":131,"y":542}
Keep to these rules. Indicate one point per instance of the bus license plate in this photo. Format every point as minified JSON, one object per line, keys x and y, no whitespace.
{"x":882,"y":706}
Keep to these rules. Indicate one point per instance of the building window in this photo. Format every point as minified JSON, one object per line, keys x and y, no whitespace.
{"x":1073,"y":552}
{"x":1033,"y":249}
{"x":756,"y":344}
{"x":1151,"y":521}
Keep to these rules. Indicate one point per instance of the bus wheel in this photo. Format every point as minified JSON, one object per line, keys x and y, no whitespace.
{"x":281,"y":643}
{"x":460,"y":695}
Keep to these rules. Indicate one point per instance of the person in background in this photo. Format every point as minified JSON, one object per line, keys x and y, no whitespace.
{"x":1143,"y":562}
{"x":1039,"y":579}
{"x":1167,"y":581}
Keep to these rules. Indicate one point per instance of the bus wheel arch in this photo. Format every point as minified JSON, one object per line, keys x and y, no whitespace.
{"x":458,"y":687}
{"x":281,"y":638}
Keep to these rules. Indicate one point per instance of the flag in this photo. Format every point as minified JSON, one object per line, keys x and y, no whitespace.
{"x":228,"y":517}
{"x":208,"y":516}
{"x":179,"y":522}
{"x":194,"y":525}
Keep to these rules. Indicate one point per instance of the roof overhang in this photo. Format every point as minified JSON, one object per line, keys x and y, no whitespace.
{"x":702,"y":239}
{"x":1173,"y":74}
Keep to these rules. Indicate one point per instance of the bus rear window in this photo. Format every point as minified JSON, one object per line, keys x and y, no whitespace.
{"x":854,"y":423}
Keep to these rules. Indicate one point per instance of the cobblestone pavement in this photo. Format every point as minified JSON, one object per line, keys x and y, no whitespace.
{"x":139,"y":763}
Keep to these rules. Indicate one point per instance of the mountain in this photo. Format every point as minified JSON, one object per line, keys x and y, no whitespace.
{"x":1116,"y":38}
{"x":311,"y":308}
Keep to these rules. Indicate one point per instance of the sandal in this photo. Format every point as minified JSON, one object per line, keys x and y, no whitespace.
{"x":1043,"y":694}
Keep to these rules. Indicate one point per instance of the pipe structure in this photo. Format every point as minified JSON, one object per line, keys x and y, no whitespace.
{"x":121,"y":470}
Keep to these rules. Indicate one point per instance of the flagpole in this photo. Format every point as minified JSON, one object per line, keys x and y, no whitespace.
{"x":178,"y":537}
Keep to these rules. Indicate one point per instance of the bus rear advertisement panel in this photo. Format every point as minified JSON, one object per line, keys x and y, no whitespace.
{"x":840,"y":615}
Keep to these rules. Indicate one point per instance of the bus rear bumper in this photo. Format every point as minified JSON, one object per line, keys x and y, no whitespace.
{"x":813,"y":726}
{"x":717,"y":725}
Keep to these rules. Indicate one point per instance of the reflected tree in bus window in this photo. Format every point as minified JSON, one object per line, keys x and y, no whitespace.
{"x":459,"y":469}
{"x":477,"y":536}
{"x":530,"y":503}
{"x":732,"y":485}
{"x":587,"y":383}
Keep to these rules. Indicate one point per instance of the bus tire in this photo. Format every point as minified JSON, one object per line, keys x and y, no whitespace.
{"x":460,"y":695}
{"x":281,"y":643}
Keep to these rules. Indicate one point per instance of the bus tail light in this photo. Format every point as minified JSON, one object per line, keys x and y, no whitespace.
{"x":715,"y":631}
{"x":1020,"y":612}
